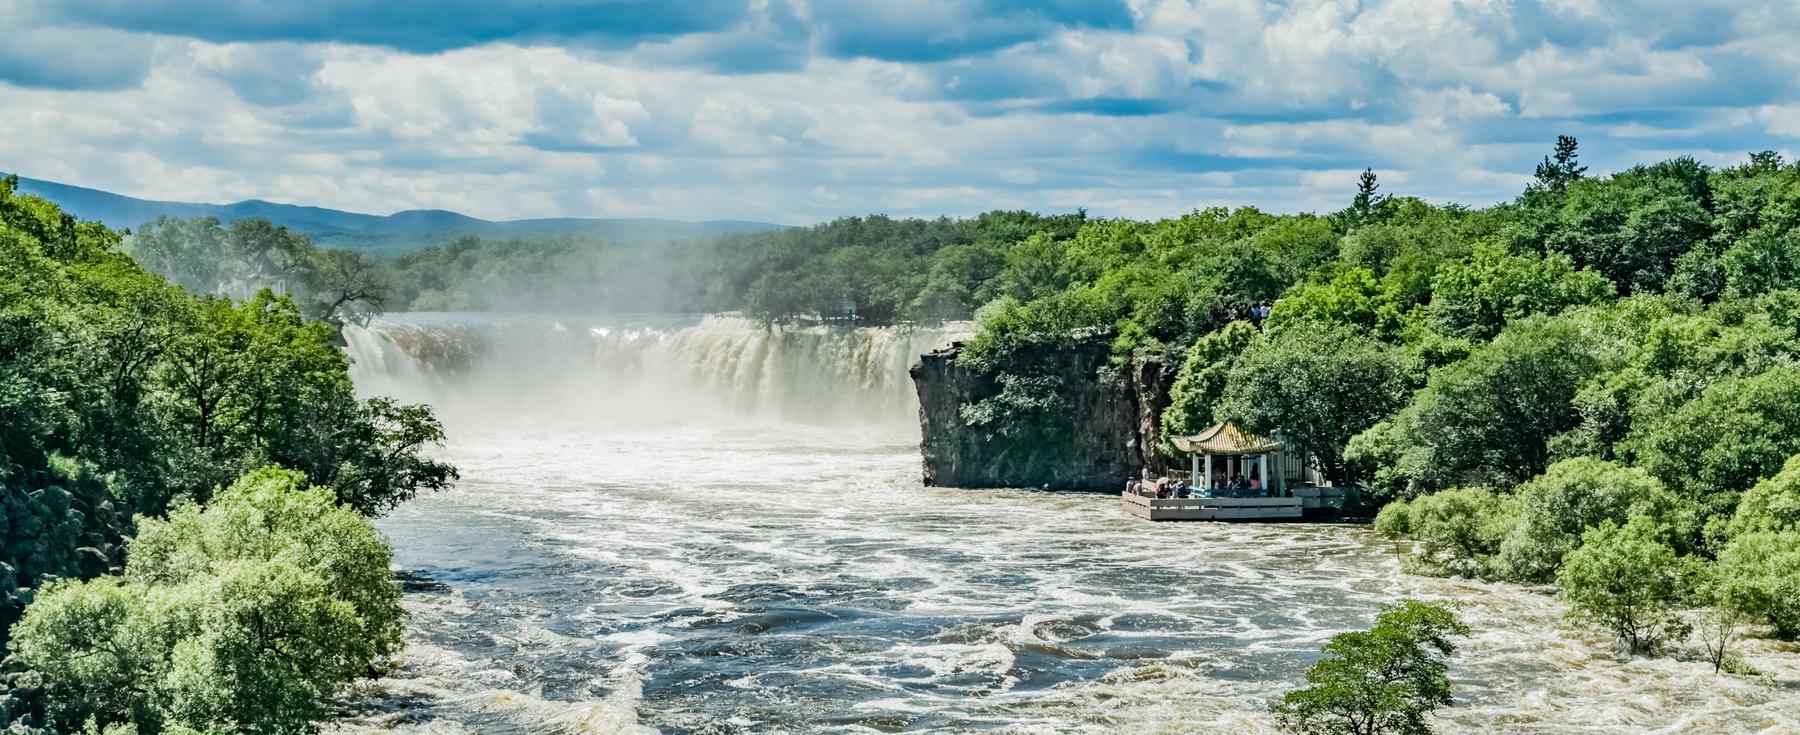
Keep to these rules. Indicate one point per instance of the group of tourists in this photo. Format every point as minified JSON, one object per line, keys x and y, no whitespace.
{"x":1254,"y":312}
{"x":1236,"y":486}
{"x":1238,"y":483}
{"x":1160,"y":488}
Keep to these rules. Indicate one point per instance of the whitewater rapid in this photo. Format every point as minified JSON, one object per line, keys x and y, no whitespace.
{"x":697,"y":526}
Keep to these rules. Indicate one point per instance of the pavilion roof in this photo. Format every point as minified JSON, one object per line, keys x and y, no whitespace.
{"x":1225,"y":438}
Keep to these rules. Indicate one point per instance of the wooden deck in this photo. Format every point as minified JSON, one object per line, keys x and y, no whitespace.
{"x":1211,"y":509}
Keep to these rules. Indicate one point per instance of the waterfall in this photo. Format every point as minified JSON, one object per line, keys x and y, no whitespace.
{"x":670,"y":368}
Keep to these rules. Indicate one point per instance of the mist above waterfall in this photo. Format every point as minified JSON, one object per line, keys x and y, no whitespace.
{"x":643,"y":369}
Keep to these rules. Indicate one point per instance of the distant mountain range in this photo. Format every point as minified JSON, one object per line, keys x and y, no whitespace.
{"x":374,"y":234}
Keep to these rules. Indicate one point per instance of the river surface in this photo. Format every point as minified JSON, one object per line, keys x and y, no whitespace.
{"x":694,"y":527}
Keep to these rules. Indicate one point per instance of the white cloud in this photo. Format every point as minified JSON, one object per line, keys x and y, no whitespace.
{"x":1205,"y":102}
{"x":1782,"y":120}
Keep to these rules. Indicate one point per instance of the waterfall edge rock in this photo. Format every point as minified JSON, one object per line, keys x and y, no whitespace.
{"x":1109,"y":432}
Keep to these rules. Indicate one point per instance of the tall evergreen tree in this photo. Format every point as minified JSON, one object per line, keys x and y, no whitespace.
{"x":1369,"y":206}
{"x":1560,"y":168}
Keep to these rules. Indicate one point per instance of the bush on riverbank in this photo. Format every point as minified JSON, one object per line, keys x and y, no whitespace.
{"x":243,"y":616}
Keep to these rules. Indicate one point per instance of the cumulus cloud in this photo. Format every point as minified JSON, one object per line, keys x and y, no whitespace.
{"x":63,"y":58}
{"x":408,"y":25}
{"x":799,"y":110}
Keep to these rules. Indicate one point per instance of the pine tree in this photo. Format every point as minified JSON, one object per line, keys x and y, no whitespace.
{"x":1560,"y":168}
{"x":1369,"y":206}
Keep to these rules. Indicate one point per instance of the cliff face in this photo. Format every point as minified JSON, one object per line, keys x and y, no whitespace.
{"x":1103,"y":432}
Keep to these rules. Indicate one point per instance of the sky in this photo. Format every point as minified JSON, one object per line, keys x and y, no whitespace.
{"x":797,"y":111}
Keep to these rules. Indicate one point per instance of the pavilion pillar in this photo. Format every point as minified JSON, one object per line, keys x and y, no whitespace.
{"x":1281,"y":472}
{"x":1209,"y":473}
{"x":1194,"y":476}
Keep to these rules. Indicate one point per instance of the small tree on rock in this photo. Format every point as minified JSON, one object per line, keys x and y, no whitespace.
{"x":1382,"y":681}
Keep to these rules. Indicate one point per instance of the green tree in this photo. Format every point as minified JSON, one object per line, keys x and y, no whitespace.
{"x":1772,"y":505}
{"x":267,"y":255}
{"x":244,"y":616}
{"x":1202,"y":377}
{"x":1572,"y":496}
{"x":960,"y":280}
{"x":1383,"y":681}
{"x":1753,"y":249}
{"x":1297,"y":246}
{"x":1459,"y":531}
{"x":1479,"y":297}
{"x":1352,"y":297}
{"x":1561,"y":168}
{"x":1737,"y":432}
{"x":1758,"y":576}
{"x":1628,"y":581}
{"x":380,"y":457}
{"x":1635,"y":227}
{"x":190,"y":253}
{"x":1315,"y":386}
{"x":344,"y":287}
{"x":1369,"y":206}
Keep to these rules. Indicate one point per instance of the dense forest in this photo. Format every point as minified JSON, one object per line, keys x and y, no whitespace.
{"x":186,"y":483}
{"x":872,"y":270}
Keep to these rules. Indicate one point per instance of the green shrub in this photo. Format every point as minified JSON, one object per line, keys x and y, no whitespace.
{"x":1630,"y":582}
{"x":1459,"y":530}
{"x":244,"y":617}
{"x":1759,"y":574}
{"x":1570,"y":497}
{"x":1394,"y":522}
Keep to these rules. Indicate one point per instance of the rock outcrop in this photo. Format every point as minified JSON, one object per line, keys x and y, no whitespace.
{"x":1104,"y":431}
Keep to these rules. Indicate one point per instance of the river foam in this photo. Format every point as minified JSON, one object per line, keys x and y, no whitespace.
{"x":781,"y":570}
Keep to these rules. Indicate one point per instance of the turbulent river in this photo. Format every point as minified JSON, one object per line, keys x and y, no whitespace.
{"x":695,"y":526}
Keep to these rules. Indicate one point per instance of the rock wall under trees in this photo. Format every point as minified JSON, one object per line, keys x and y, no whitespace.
{"x":1105,"y":430}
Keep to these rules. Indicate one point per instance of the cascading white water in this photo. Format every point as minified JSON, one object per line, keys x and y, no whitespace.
{"x":645,"y":369}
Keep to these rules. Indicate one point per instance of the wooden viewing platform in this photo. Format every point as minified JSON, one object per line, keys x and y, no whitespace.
{"x":1211,"y":509}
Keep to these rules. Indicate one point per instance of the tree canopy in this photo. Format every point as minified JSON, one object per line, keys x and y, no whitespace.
{"x":242,"y":616}
{"x":126,"y":403}
{"x":1383,"y":681}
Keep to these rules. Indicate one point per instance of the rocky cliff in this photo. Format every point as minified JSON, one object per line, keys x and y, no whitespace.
{"x":1104,"y":428}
